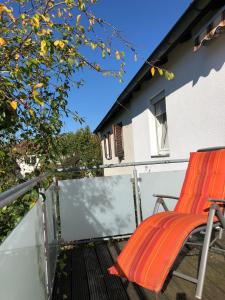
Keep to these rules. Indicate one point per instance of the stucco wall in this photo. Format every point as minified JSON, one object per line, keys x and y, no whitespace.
{"x":195,"y":103}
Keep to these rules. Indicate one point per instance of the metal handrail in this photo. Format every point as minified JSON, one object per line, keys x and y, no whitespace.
{"x":13,"y":193}
{"x":122,"y":165}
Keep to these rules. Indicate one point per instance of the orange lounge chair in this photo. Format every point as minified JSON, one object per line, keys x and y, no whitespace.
{"x":149,"y":255}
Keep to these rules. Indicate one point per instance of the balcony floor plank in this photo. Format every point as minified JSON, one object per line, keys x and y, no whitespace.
{"x":87,"y":279}
{"x":114,"y":284}
{"x":80,"y":289}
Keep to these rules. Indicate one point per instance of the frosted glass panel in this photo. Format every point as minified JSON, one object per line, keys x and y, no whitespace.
{"x":96,"y":207}
{"x":22,"y":260}
{"x":52,"y":250}
{"x":168,"y":183}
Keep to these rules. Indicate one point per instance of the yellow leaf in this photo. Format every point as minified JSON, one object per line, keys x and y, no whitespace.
{"x":14,"y":150}
{"x":160,"y":71}
{"x":61,"y":44}
{"x":91,"y":21}
{"x":43,"y":48}
{"x":34,"y":92}
{"x":153,"y":71}
{"x":45,"y":18}
{"x":93,"y":46}
{"x":38,"y":86}
{"x":172,"y":76}
{"x":17,"y":56}
{"x":13,"y":104}
{"x":27,"y":42}
{"x":36,"y":22}
{"x":32,"y":204}
{"x":78,"y":19}
{"x":2,"y":42}
{"x":31,"y":112}
{"x":117,"y":55}
{"x":37,"y":98}
{"x":41,"y":32}
{"x":59,"y":13}
{"x":169,"y":75}
{"x":56,"y":43}
{"x":3,"y":8}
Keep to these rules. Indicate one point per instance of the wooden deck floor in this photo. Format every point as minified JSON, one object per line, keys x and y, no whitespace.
{"x":81,"y":275}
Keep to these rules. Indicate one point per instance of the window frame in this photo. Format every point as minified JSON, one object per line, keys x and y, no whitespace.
{"x":153,"y":102}
{"x":30,"y":160}
{"x":119,"y":154}
{"x":107,"y":145}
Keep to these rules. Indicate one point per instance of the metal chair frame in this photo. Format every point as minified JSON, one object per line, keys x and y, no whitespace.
{"x":207,"y":244}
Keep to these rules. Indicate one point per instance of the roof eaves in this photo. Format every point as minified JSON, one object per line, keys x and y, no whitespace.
{"x":185,"y":23}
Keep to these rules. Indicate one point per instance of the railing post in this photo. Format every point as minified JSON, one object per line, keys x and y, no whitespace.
{"x":57,"y":209}
{"x":46,"y":250}
{"x":137,"y":197}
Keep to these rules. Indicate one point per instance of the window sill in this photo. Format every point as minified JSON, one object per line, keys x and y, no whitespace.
{"x":160,"y":155}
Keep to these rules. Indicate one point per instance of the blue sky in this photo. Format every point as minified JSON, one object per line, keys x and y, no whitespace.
{"x":144,"y":23}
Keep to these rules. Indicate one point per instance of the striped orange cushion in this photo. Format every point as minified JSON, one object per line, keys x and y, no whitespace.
{"x":152,"y":249}
{"x":150,"y":252}
{"x":205,"y":178}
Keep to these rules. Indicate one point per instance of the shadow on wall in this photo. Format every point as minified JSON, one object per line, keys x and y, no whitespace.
{"x":96,"y":207}
{"x":188,"y":67}
{"x":197,"y":64}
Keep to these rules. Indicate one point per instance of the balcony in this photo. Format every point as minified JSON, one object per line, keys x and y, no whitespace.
{"x":63,"y":246}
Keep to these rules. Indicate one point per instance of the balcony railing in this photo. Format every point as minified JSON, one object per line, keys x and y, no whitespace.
{"x":89,"y":208}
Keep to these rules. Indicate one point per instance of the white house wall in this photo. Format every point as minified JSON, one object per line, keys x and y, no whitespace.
{"x":195,"y":103}
{"x":27,"y":168}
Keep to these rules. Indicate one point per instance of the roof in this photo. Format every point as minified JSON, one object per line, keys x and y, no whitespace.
{"x":180,"y":32}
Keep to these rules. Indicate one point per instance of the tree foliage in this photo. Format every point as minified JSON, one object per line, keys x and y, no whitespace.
{"x":43,"y":46}
{"x":80,"y":149}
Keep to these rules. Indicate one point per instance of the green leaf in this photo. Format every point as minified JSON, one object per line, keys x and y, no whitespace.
{"x":70,"y":61}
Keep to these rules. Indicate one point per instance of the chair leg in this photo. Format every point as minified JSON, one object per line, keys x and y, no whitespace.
{"x":220,"y":234}
{"x":157,"y":205}
{"x":204,"y":255}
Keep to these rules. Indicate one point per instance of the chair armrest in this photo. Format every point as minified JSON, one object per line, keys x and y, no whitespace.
{"x":165,"y":196}
{"x":217,"y":200}
{"x":160,"y":201}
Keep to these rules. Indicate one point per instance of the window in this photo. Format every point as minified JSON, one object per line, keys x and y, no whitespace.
{"x":118,"y":140}
{"x":107,"y":146}
{"x":161,"y":127}
{"x":158,"y":109}
{"x":30,"y":160}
